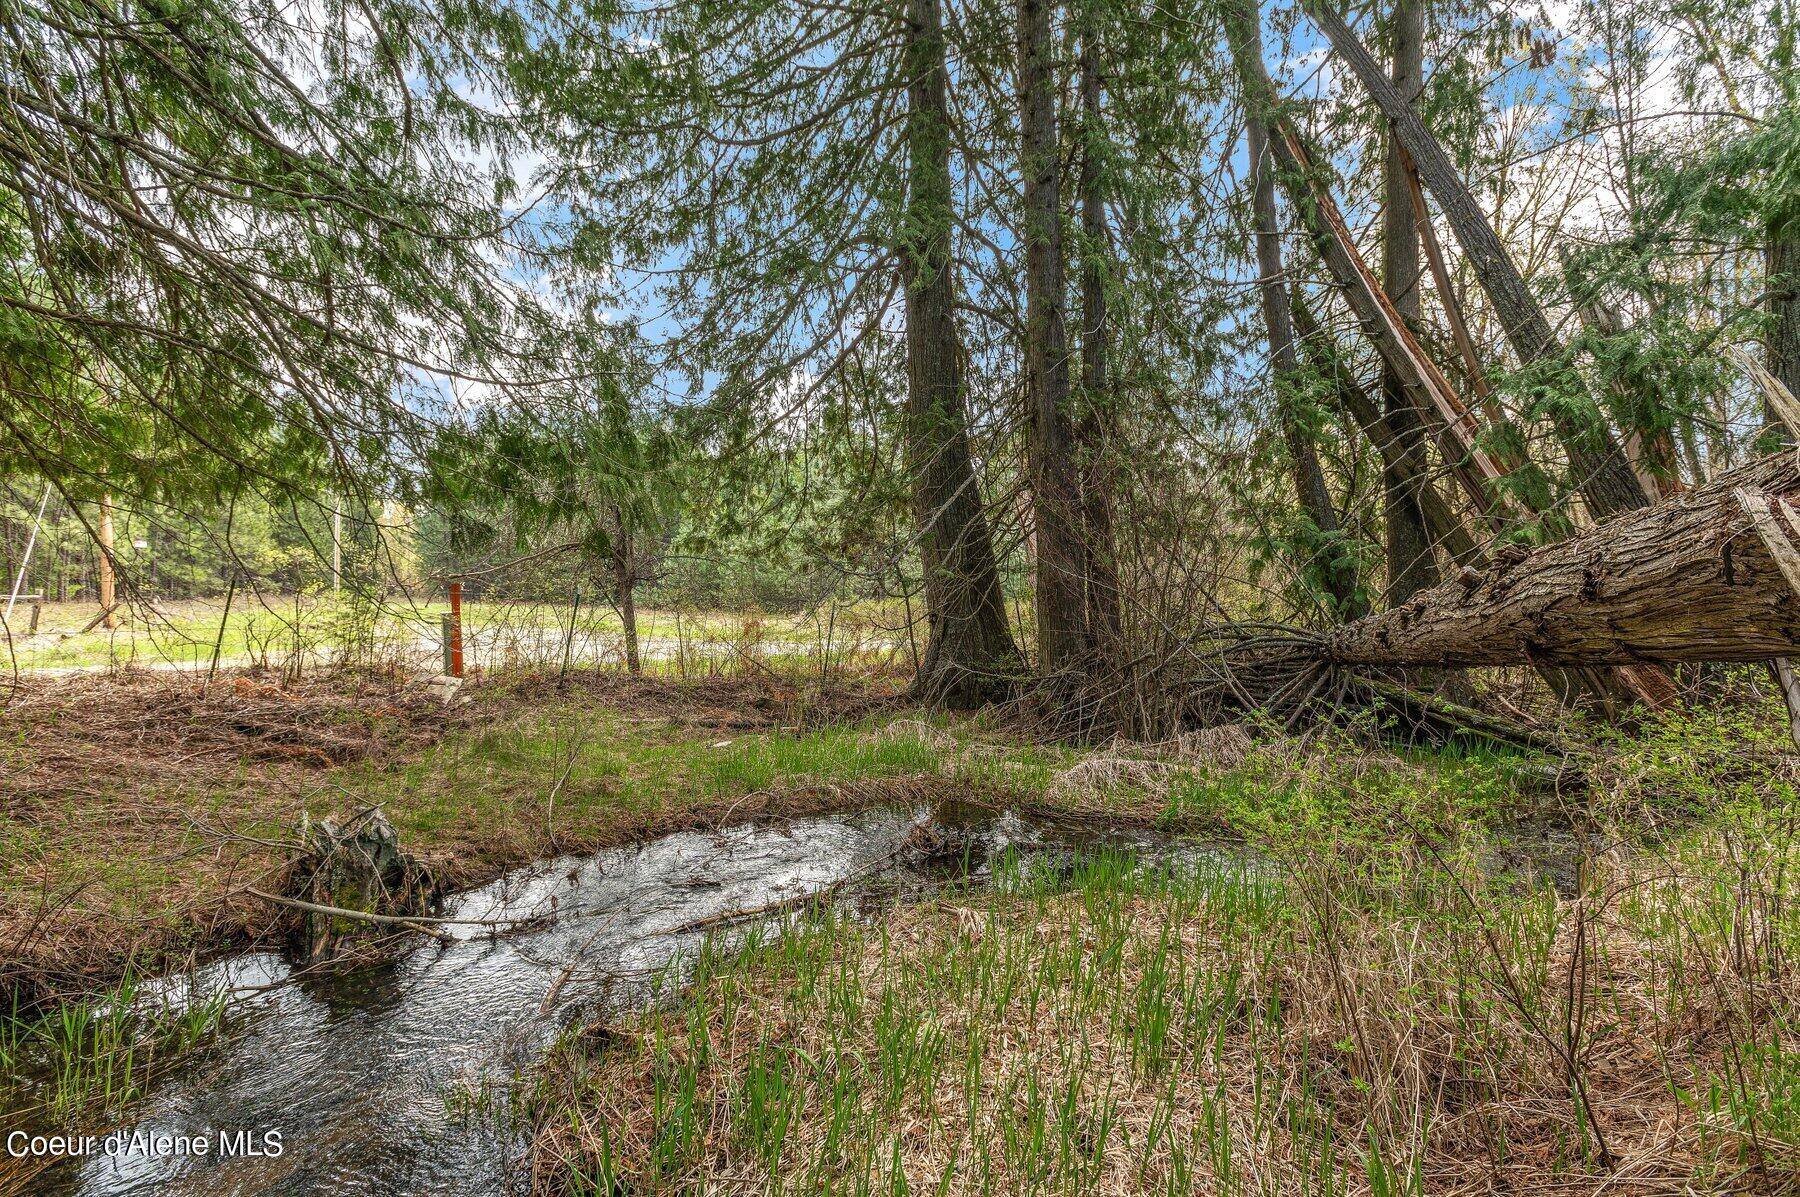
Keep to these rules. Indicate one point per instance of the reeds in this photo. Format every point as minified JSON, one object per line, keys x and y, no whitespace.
{"x":1360,"y":1018}
{"x":91,"y":1056}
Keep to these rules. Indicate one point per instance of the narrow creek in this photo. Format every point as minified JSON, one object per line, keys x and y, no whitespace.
{"x":357,"y":1067}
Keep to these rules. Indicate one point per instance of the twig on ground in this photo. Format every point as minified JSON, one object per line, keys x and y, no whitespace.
{"x":418,"y":922}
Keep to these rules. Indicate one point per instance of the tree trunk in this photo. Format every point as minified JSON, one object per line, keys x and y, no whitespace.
{"x":1596,"y":463}
{"x":1330,"y":564}
{"x":1411,"y":564}
{"x":1442,"y":524}
{"x":969,"y":652}
{"x":1095,"y":432}
{"x":625,"y":591}
{"x":1062,"y":633}
{"x":1711,"y":575}
{"x":1781,"y":344}
{"x":108,"y":584}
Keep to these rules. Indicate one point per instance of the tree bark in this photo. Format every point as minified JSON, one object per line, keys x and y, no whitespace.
{"x":625,"y":591}
{"x":1600,"y":471}
{"x":1781,"y":343}
{"x":1096,"y":429}
{"x":1062,"y":573}
{"x":1711,"y":575}
{"x":1444,"y":527}
{"x":1332,"y":567}
{"x":969,"y":652}
{"x":1410,"y":562}
{"x":108,"y":584}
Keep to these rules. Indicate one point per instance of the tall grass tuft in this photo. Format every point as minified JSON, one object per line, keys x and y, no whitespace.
{"x":91,"y":1056}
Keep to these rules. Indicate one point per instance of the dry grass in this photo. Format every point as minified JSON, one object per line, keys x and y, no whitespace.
{"x":1349,"y":1025}
{"x":914,"y":729}
{"x":1107,"y":773}
{"x":133,"y":809}
{"x":163,"y":728}
{"x":1226,"y":745}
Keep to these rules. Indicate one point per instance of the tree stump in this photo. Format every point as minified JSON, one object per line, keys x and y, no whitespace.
{"x":359,"y":866}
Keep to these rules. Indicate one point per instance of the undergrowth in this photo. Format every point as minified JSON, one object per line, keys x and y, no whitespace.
{"x":1371,"y":1001}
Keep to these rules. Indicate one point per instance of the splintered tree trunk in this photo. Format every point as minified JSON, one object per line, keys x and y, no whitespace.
{"x":969,"y":652}
{"x":1332,"y":568}
{"x":1600,"y":469}
{"x":1097,"y":425}
{"x":1411,"y":564}
{"x":1062,"y":632}
{"x":1312,"y":202}
{"x":1710,"y":575}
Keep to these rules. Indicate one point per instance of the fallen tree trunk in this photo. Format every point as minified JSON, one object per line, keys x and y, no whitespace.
{"x":1710,"y":575}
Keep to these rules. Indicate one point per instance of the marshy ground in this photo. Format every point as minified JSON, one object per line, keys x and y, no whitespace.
{"x":1435,"y":971}
{"x":1394,"y":1001}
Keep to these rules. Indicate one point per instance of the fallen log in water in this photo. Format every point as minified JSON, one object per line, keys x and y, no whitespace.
{"x":1709,"y":575}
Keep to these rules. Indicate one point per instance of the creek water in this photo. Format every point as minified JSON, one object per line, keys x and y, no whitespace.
{"x":359,"y":1068}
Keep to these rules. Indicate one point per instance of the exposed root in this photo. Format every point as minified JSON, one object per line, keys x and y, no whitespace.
{"x":1283,"y":676}
{"x":1277,"y":676}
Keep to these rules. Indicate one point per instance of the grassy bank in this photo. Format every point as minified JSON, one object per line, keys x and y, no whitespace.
{"x":1382,"y":1005}
{"x":1446,"y":970}
{"x":133,"y":812}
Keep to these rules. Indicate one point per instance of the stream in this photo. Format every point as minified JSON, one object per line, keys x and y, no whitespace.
{"x":356,"y":1067}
